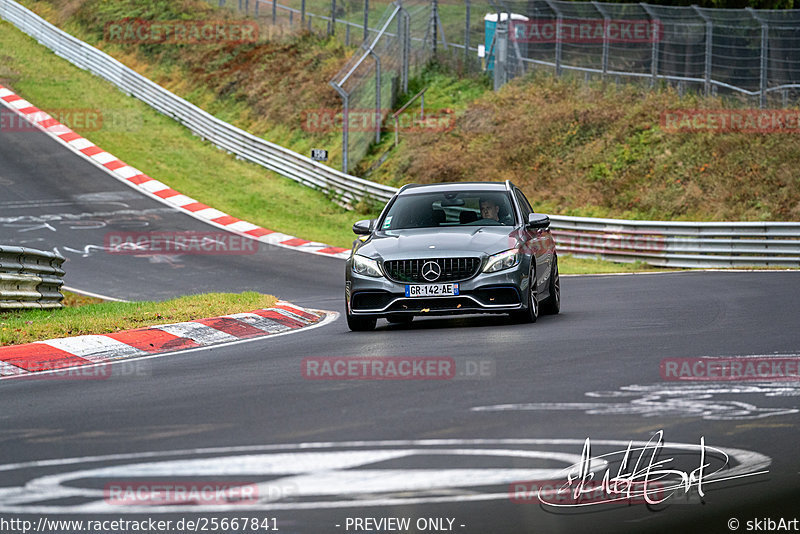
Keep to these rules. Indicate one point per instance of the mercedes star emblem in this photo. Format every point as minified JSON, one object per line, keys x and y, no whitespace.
{"x":431,"y":271}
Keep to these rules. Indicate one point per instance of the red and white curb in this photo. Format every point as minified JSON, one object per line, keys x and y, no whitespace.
{"x":152,"y":187}
{"x":59,"y":354}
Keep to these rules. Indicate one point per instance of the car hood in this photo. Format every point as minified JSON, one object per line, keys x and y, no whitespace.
{"x":439,"y":242}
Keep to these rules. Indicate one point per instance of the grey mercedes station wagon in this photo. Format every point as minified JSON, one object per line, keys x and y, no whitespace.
{"x":452,"y":248}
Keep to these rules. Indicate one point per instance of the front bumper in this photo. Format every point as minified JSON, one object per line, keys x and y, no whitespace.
{"x":500,"y":292}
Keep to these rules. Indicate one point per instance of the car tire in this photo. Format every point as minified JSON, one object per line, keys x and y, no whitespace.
{"x":552,"y":305}
{"x":400,"y":319}
{"x":361,"y":324}
{"x":358,"y":323}
{"x":532,"y":312}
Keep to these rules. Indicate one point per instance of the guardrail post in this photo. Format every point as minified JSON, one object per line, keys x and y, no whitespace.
{"x":255,"y":7}
{"x":275,"y":11}
{"x":332,"y":27}
{"x":303,"y":14}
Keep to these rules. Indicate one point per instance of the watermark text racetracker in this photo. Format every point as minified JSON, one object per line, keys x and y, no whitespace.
{"x":188,"y":242}
{"x":397,"y":368}
{"x":139,"y":31}
{"x":731,"y":120}
{"x":55,"y":368}
{"x":368,"y":120}
{"x":586,"y":31}
{"x":78,"y":119}
{"x":742,"y":368}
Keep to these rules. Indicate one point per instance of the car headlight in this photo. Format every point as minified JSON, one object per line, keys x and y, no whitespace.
{"x":503,"y":260}
{"x":366,"y":266}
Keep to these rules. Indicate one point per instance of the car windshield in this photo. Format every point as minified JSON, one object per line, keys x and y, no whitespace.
{"x":434,"y":210}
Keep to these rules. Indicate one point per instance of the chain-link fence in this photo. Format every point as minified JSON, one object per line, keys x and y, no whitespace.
{"x":753,"y":54}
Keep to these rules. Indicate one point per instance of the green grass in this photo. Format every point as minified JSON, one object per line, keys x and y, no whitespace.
{"x":102,"y":318}
{"x":568,"y":264}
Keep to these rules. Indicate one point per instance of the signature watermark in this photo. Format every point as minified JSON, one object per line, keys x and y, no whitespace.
{"x":642,"y":476}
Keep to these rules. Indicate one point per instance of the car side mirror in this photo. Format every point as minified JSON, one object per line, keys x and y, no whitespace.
{"x":363,"y":227}
{"x":538,"y":220}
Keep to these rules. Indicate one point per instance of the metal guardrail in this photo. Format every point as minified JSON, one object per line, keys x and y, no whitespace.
{"x":674,"y":244}
{"x":30,"y":278}
{"x":681,"y":244}
{"x":345,"y":189}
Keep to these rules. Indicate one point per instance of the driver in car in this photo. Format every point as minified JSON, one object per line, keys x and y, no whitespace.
{"x":490,"y":209}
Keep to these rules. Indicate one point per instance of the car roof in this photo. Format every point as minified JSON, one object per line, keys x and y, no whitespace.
{"x":449,"y":186}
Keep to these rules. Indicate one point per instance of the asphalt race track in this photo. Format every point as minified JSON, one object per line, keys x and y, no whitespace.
{"x":444,"y":453}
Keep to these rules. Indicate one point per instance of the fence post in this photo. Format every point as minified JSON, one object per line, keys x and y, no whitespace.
{"x":764,"y":63}
{"x":762,"y":99}
{"x":606,"y":20}
{"x":466,"y":35}
{"x":366,"y":19}
{"x":435,"y":22}
{"x":404,"y":32}
{"x":654,"y":38}
{"x":378,"y":115}
{"x":559,"y":22}
{"x":345,"y":124}
{"x":708,"y":54}
{"x":501,"y":52}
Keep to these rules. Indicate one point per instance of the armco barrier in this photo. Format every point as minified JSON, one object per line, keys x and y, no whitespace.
{"x":30,"y":278}
{"x":674,"y":244}
{"x":681,"y":244}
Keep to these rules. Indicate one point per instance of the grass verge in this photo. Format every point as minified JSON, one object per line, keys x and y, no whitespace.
{"x":106,"y":317}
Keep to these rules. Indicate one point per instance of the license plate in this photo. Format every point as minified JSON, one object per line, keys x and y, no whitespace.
{"x":432,"y":290}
